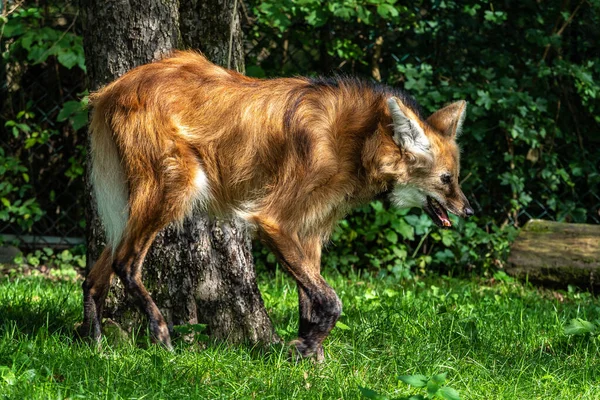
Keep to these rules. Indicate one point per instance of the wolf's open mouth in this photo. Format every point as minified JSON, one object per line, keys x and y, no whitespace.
{"x":437,"y":213}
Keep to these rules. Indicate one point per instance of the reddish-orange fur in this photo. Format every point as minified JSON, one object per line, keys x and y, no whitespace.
{"x":290,"y":156}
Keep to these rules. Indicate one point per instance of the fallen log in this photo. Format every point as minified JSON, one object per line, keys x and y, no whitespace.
{"x":557,"y":254}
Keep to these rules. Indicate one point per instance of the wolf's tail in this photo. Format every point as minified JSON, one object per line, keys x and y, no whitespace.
{"x":108,"y":179}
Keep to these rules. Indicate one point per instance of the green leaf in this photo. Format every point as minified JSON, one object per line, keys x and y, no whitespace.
{"x":343,"y":12}
{"x":189,"y":328}
{"x":24,"y":127}
{"x":387,"y":11}
{"x":316,"y":17}
{"x":29,"y":375}
{"x":578,"y":326}
{"x":371,"y":394}
{"x":69,"y":108}
{"x":38,"y":54}
{"x":198,"y":327}
{"x":14,"y":27}
{"x":183,"y":329}
{"x":80,"y":120}
{"x":401,"y":253}
{"x":66,"y":255}
{"x":34,"y":261}
{"x":432,"y":388}
{"x":447,"y":238}
{"x":364,"y":14}
{"x":391,"y":236}
{"x":414,"y":380}
{"x":68,"y":58}
{"x":377,"y":206}
{"x":201,"y":337}
{"x":342,"y":326}
{"x":27,"y":40}
{"x":404,"y":229}
{"x":7,"y":375}
{"x":255,"y":71}
{"x":439,"y":378}
{"x":448,"y":393}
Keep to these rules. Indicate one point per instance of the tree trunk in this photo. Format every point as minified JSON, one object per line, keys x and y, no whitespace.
{"x":557,"y":254}
{"x":227,"y":295}
{"x":118,"y":36}
{"x":203,"y":273}
{"x":212,"y":26}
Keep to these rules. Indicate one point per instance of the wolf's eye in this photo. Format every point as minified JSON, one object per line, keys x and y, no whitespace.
{"x":446,"y":179}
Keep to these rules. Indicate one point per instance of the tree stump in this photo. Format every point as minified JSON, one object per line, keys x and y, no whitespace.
{"x":557,"y":254}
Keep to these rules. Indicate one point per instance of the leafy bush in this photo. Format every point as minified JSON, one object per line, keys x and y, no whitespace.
{"x":31,"y":35}
{"x":15,"y":191}
{"x":41,"y":158}
{"x":434,"y":385}
{"x":396,"y":242}
{"x":47,"y":262}
{"x":530,"y":142}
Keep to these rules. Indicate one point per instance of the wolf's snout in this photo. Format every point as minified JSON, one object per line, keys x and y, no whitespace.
{"x":468,"y":211}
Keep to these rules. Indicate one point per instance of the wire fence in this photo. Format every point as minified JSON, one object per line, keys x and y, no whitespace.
{"x":54,"y":174}
{"x":57,"y":186}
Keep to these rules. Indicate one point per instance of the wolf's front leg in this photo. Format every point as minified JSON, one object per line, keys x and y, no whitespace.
{"x":320,"y":308}
{"x":319,"y":305}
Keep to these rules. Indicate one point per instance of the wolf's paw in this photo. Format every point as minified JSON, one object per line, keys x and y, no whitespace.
{"x":161,"y":335}
{"x":81,"y":331}
{"x":299,"y":349}
{"x":87,"y":333}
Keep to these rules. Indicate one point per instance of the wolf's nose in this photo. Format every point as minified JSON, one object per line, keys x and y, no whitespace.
{"x":468,"y":212}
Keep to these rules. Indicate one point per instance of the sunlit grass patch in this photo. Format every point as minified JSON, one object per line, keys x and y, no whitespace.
{"x":493,"y":339}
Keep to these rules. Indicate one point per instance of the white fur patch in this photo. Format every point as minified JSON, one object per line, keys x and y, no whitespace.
{"x":461,"y":120}
{"x":245,"y":211}
{"x":407,"y":196}
{"x":110,"y":187}
{"x":407,"y":132}
{"x":184,"y":131}
{"x":202,"y":194}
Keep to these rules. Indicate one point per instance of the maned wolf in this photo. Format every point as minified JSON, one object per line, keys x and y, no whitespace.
{"x":290,"y":156}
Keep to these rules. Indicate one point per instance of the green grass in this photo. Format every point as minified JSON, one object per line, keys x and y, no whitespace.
{"x":496,"y":340}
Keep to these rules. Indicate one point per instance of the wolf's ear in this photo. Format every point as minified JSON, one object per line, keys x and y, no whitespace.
{"x":449,"y":120}
{"x":408,"y":133}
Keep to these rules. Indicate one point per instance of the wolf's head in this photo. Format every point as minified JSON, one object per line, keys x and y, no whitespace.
{"x":433,"y":160}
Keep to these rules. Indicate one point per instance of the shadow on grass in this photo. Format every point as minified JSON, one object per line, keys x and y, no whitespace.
{"x":32,"y":304}
{"x":29,"y":319}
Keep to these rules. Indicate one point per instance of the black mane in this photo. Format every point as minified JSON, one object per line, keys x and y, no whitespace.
{"x":337,"y":81}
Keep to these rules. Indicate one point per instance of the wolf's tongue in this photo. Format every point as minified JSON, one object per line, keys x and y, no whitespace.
{"x":440,"y":212}
{"x":444,"y":217}
{"x":437,"y":212}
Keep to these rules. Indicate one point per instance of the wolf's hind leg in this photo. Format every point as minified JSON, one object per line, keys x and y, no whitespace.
{"x":149,"y":213}
{"x":128,"y":267}
{"x":95,"y":289}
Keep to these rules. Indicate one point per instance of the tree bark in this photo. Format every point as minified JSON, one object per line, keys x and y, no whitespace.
{"x":203,"y":273}
{"x":118,"y":36}
{"x":557,"y":254}
{"x":227,"y":293}
{"x":212,"y":26}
